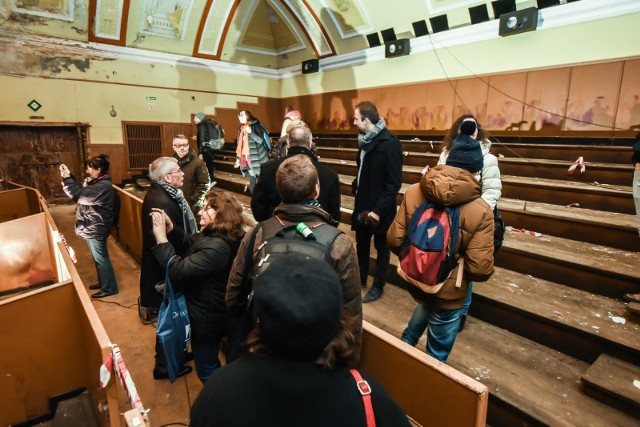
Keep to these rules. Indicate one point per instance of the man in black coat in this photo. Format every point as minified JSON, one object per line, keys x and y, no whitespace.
{"x":375,"y":187}
{"x":164,"y":194}
{"x":265,"y":196}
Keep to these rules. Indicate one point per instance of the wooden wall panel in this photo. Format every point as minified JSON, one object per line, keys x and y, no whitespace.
{"x":628,"y":111}
{"x":117,"y":160}
{"x":593,"y":97}
{"x":546,"y":98}
{"x":520,"y":104}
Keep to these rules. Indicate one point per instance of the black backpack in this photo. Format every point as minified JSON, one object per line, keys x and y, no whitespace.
{"x":313,"y":240}
{"x":214,"y":129}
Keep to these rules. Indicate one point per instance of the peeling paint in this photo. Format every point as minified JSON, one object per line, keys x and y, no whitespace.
{"x":57,"y":64}
{"x":25,"y":19}
{"x":80,"y":31}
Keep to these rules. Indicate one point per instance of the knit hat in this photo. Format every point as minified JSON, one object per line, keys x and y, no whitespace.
{"x":465,"y":151}
{"x":200,"y":116}
{"x":298,"y":303}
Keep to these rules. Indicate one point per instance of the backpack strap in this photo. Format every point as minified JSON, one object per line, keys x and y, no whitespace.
{"x":460,"y":272}
{"x":365,"y":391}
{"x":246,"y":285}
{"x":323,"y":235}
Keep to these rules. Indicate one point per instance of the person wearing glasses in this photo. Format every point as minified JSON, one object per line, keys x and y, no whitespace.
{"x":196,"y":176}
{"x":165,"y":194}
{"x":202,"y":272}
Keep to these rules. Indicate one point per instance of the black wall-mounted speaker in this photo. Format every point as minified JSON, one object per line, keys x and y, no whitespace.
{"x":397,"y":48}
{"x":518,"y":22}
{"x":310,"y":66}
{"x":420,"y":28}
{"x":388,"y":35}
{"x":439,"y":23}
{"x":374,"y":40}
{"x":478,"y":14}
{"x":503,"y":6}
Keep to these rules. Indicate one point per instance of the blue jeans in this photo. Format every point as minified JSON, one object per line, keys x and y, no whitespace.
{"x":100,"y":255}
{"x":205,"y":357}
{"x":442,"y":330}
{"x":467,"y":300}
{"x":420,"y":321}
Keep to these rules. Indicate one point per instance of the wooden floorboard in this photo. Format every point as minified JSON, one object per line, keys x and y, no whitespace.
{"x":539,"y":381}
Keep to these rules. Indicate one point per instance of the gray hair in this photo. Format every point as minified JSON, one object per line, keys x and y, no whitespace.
{"x":161,"y":167}
{"x":299,"y":134}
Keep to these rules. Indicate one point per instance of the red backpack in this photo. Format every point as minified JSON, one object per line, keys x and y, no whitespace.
{"x":428,"y":255}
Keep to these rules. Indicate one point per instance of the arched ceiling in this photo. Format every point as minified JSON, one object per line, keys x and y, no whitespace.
{"x":273,"y":34}
{"x":264,"y":33}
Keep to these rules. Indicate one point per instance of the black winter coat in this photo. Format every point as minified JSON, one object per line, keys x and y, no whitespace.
{"x":151,"y":271}
{"x":270,"y":391}
{"x":202,"y":275}
{"x":380,"y":181}
{"x":265,"y":196}
{"x":94,"y":214}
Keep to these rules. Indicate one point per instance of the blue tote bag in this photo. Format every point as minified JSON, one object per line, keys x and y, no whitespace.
{"x":173,"y":331}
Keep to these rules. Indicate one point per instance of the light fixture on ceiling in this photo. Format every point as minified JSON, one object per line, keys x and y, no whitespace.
{"x":113,"y":112}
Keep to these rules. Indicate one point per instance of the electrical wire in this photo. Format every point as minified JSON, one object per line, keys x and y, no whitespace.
{"x":563,"y":118}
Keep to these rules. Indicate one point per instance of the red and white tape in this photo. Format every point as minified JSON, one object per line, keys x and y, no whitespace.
{"x":522,"y":230}
{"x":574,"y":166}
{"x":116,"y":361}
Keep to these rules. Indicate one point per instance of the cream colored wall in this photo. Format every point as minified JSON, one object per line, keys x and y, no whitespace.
{"x":596,"y":41}
{"x":90,"y":102}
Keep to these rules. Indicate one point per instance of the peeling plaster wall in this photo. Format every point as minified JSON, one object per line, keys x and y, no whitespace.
{"x":74,"y":84}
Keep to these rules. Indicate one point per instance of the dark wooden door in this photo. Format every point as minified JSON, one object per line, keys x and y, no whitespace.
{"x":30,"y":155}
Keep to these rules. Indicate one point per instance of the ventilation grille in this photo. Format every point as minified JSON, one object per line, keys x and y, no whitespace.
{"x":144,"y":144}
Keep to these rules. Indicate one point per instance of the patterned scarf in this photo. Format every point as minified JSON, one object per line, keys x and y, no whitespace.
{"x":188,"y":219}
{"x":365,"y":140}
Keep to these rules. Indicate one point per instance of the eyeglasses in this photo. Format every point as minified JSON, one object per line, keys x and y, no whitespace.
{"x":177,"y":171}
{"x":181,"y":145}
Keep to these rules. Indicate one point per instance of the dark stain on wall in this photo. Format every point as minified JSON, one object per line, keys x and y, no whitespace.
{"x":24,"y":19}
{"x":63,"y":63}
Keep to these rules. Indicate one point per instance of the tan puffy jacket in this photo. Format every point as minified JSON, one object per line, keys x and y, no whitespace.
{"x":451,"y":186}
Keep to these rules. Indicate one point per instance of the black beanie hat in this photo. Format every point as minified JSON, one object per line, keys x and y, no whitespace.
{"x":465,"y":151}
{"x":298,"y":302}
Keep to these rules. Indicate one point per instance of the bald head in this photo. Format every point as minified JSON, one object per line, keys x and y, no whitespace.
{"x":298,"y":134}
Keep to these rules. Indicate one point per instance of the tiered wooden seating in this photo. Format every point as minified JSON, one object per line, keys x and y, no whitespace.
{"x":554,"y":304}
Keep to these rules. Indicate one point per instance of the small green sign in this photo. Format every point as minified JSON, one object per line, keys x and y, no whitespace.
{"x":34,"y":105}
{"x":151,"y":98}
